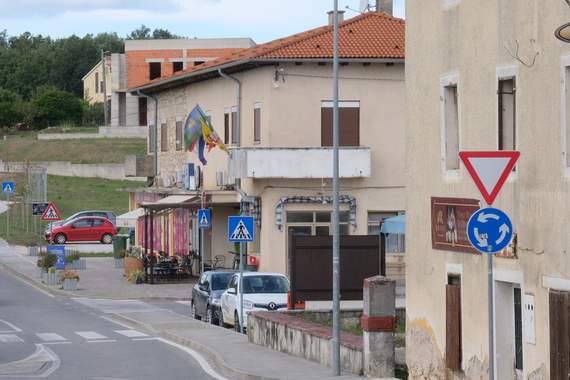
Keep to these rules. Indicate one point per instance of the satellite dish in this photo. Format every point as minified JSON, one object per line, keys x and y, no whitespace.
{"x":363,"y":6}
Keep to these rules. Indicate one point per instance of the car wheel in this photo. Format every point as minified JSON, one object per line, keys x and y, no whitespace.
{"x":193,"y":311}
{"x":210,"y":315}
{"x":236,"y":323}
{"x":221,"y":322}
{"x":107,"y":239}
{"x":60,"y":239}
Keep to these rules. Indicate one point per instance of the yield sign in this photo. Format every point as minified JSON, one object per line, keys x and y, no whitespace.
{"x":489,"y":170}
{"x":51,"y":213}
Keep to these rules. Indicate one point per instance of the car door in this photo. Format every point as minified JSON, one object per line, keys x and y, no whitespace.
{"x":80,"y":230}
{"x":202,"y":295}
{"x":99,"y":228}
{"x":229,"y":300}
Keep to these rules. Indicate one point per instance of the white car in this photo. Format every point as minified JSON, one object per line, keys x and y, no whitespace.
{"x":261,"y":291}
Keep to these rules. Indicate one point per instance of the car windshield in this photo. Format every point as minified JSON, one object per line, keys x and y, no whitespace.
{"x":265,"y":284}
{"x":220,"y":280}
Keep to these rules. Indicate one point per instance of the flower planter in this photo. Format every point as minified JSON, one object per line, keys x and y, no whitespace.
{"x":51,"y":278}
{"x":132,"y":264}
{"x":119,"y":263}
{"x":76,"y":264}
{"x":33,"y":250}
{"x":40,"y":272}
{"x":70,"y":284}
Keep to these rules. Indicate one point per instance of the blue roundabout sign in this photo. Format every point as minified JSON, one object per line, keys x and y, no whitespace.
{"x":490,"y":230}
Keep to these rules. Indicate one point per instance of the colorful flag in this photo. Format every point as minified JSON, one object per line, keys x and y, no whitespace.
{"x":198,"y":132}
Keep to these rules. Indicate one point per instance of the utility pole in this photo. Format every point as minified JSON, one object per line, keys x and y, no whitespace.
{"x":104,"y":72}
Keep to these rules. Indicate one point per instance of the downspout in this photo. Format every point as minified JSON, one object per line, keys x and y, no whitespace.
{"x":154,"y":184}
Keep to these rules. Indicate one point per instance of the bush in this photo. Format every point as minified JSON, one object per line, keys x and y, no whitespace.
{"x":57,"y":107}
{"x":67,"y":274}
{"x":47,"y":260}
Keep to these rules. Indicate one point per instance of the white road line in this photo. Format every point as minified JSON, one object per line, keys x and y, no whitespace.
{"x":92,"y":335}
{"x":14,"y":328}
{"x":131,"y":333}
{"x":51,"y":337}
{"x":10,"y":338}
{"x":199,"y":358}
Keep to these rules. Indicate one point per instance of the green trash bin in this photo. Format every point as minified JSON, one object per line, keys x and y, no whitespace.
{"x":119,"y":243}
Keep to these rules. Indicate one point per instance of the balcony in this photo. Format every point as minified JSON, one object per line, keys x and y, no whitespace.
{"x":354,"y":162}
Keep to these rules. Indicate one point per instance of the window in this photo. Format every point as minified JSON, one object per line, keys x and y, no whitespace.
{"x":317,"y":223}
{"x":394,"y":243}
{"x":179,"y":134}
{"x":348,"y":123}
{"x":256,"y":122}
{"x":234,"y":126}
{"x":151,"y":137}
{"x":164,"y":136}
{"x":96,"y":82}
{"x":450,"y":122}
{"x":177,"y":66}
{"x":453,"y":341}
{"x":227,"y":126}
{"x":154,"y":70}
{"x":507,"y":114}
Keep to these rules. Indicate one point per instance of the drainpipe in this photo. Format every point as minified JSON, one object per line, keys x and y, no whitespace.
{"x":154,"y":145}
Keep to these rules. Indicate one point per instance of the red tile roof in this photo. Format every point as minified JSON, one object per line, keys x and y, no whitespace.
{"x":370,"y":35}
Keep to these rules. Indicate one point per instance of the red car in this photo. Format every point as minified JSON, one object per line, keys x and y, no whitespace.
{"x":87,"y":228}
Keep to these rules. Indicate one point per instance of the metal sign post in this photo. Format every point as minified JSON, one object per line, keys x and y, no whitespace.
{"x":8,"y":188}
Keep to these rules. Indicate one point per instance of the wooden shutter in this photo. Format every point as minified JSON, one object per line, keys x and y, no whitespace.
{"x":559,"y":335}
{"x":348,"y":126}
{"x":453,"y":327}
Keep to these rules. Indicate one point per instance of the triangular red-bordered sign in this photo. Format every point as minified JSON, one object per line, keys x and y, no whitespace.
{"x":489,"y":170}
{"x":51,"y":213}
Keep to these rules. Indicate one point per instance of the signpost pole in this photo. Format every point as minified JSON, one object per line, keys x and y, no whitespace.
{"x":491,"y":315}
{"x":8,"y":215}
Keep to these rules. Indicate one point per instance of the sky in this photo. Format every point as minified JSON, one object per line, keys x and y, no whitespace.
{"x":261,"y":20}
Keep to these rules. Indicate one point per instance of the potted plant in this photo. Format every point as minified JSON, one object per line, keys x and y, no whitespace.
{"x":69,"y":278}
{"x":137,"y":276}
{"x":73,"y":261}
{"x":45,"y":261}
{"x":50,"y":277}
{"x":133,"y":260}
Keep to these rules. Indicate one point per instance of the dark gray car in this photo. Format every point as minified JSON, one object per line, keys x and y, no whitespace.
{"x":206,"y":295}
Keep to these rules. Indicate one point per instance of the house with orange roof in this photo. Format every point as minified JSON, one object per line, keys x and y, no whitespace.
{"x":272,"y":107}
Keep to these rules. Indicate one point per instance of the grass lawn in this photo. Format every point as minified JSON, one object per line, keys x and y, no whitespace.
{"x":69,"y":195}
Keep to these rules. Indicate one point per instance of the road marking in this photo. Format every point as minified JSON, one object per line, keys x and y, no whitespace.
{"x":90,"y":335}
{"x":117,"y":306}
{"x":10,"y":338}
{"x":51,"y":337}
{"x":131,"y":333}
{"x":200,"y":359}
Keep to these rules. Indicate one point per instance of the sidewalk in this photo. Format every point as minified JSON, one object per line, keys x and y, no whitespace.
{"x":231,"y":351}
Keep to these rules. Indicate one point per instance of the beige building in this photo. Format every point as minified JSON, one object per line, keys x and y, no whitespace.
{"x":279,"y":133}
{"x":94,"y":84}
{"x":487,"y":76}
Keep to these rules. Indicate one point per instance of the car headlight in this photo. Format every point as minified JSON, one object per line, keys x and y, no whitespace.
{"x":247,"y":304}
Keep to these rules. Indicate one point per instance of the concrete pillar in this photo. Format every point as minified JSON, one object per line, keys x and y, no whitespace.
{"x":378,"y":324}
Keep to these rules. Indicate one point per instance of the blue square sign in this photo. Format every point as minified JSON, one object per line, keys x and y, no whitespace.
{"x":240,"y":228}
{"x":204,"y":218}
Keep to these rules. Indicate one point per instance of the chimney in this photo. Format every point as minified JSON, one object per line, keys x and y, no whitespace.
{"x":385,"y":6}
{"x":331,"y":16}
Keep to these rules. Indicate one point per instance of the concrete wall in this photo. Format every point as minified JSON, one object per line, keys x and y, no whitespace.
{"x":66,"y":168}
{"x":104,"y":132}
{"x":283,"y":332}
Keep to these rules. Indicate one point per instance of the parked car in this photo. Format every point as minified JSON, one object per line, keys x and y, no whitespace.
{"x":103,"y":214}
{"x":206,"y":295}
{"x":261,"y":291}
{"x":87,"y":228}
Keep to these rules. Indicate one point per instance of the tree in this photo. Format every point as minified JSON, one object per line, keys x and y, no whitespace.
{"x":143,"y":33}
{"x":57,"y":107}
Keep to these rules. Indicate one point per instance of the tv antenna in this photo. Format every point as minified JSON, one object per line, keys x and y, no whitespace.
{"x":363,"y":7}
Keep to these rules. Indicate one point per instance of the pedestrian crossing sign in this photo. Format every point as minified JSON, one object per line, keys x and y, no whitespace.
{"x":240,"y":228}
{"x":8,"y":187}
{"x":51,"y":213}
{"x":204,"y":218}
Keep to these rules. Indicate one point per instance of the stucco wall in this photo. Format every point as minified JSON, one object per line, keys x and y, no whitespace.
{"x":514,"y":37}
